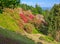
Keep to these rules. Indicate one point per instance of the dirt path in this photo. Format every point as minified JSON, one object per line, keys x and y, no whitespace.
{"x":36,"y":37}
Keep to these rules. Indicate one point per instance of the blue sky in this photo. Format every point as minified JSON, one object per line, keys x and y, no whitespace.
{"x":42,"y":3}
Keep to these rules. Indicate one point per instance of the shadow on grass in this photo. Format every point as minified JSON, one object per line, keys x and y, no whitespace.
{"x":9,"y":37}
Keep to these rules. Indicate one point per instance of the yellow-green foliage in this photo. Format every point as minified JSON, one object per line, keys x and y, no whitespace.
{"x":30,"y":28}
{"x":8,"y":22}
{"x":46,"y":38}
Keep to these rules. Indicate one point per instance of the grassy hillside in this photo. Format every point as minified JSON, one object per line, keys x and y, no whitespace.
{"x":11,"y":20}
{"x":13,"y":28}
{"x":8,"y":22}
{"x":14,"y":37}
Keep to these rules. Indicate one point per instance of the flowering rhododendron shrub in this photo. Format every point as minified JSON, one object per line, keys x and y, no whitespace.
{"x":23,"y":18}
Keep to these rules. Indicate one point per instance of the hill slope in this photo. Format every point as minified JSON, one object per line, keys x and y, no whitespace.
{"x":14,"y":27}
{"x":11,"y":20}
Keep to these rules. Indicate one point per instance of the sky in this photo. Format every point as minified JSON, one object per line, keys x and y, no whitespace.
{"x":42,"y":3}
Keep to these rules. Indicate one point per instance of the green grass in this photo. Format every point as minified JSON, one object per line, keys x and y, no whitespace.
{"x":46,"y":38}
{"x":15,"y":36}
{"x":8,"y":22}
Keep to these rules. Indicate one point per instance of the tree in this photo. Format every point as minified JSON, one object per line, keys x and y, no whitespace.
{"x":8,"y":4}
{"x":54,"y":22}
{"x":38,"y":9}
{"x":53,"y":19}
